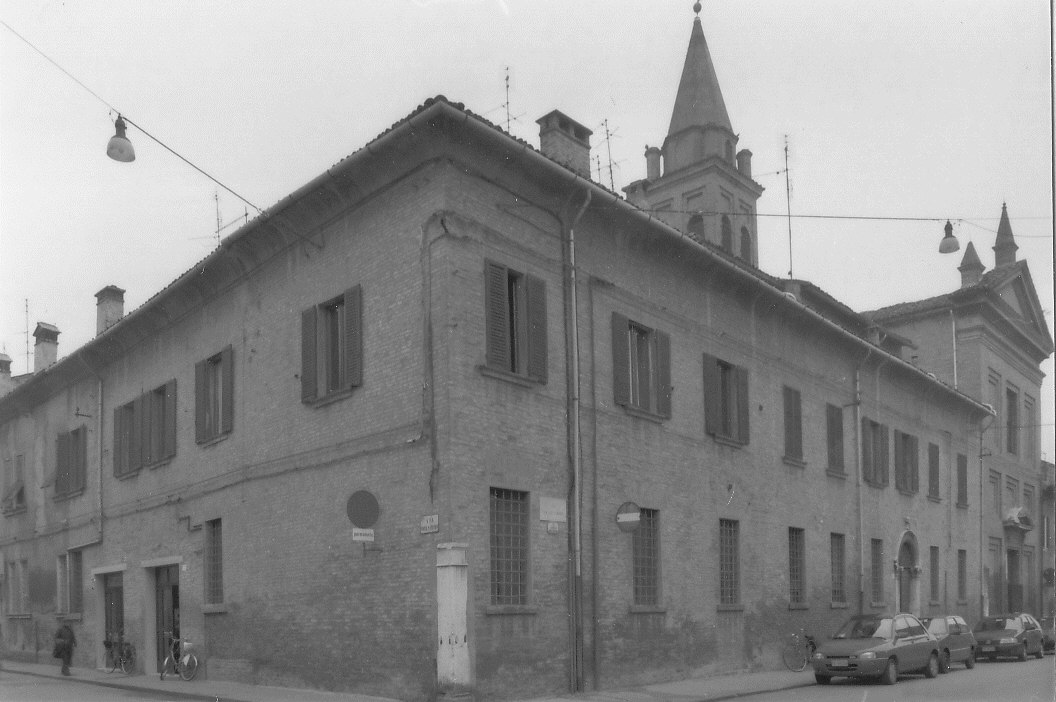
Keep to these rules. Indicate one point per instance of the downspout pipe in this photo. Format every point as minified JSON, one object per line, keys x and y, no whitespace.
{"x":575,"y":496}
{"x":857,"y":404}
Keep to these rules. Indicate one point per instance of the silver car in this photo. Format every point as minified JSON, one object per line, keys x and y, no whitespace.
{"x":877,"y":646}
{"x":956,"y":642}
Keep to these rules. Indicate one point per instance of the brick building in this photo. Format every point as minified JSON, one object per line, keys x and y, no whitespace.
{"x":452,"y":414}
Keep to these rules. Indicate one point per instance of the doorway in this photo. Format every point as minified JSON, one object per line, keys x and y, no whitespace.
{"x":167,"y":608}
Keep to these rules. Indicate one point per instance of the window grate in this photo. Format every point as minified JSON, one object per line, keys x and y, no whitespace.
{"x":837,"y":556}
{"x":934,"y":573}
{"x":729,"y":562}
{"x":214,"y":562}
{"x":509,"y":547}
{"x":962,"y":574}
{"x":878,"y":570}
{"x":646,"y":556}
{"x":796,"y":566}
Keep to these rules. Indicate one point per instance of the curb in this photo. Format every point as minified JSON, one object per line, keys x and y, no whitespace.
{"x":178,"y":694}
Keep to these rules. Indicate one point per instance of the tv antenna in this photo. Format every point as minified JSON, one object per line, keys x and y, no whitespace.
{"x":788,"y":209}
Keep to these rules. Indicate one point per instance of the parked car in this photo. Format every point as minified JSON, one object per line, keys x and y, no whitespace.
{"x":1015,"y":635}
{"x":1048,"y":632}
{"x":956,"y":642}
{"x":878,"y":646}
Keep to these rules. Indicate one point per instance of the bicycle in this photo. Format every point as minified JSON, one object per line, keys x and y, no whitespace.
{"x":119,"y":654}
{"x":798,"y":650}
{"x":181,"y":658}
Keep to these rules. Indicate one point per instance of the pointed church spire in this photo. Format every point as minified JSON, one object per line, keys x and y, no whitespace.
{"x":1005,"y":245}
{"x":698,"y":102}
{"x":971,"y":267}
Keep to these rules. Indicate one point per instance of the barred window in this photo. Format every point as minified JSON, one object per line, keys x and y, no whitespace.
{"x":646,"y":547}
{"x":70,"y":593}
{"x":729,"y":562}
{"x":834,"y":436}
{"x":797,"y":566}
{"x":935,"y":574}
{"x":509,"y":547}
{"x":837,"y":556}
{"x":878,"y":570}
{"x":214,"y":562}
{"x":933,"y":471}
{"x":906,"y":462}
{"x":793,"y":424}
{"x":962,"y":574}
{"x":962,"y":480}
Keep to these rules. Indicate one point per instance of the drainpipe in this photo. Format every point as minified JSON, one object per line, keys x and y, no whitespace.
{"x":857,"y":404}
{"x":982,"y":453}
{"x":575,"y":497}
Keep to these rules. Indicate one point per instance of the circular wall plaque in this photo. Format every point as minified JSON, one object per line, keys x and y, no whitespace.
{"x":362,"y":509}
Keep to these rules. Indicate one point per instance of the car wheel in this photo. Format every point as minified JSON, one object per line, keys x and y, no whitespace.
{"x":1040,"y":653}
{"x":822,"y":679}
{"x":890,"y":674}
{"x":944,"y":662}
{"x":1022,"y":652}
{"x":969,"y":662}
{"x":932,"y":671}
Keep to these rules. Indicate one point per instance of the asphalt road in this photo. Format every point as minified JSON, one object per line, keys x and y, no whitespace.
{"x":15,"y":687}
{"x":1007,"y":681}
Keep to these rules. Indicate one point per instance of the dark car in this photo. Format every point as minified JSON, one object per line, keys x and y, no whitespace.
{"x":956,"y":642}
{"x":1048,"y":632}
{"x":877,"y":646}
{"x":1014,"y":635}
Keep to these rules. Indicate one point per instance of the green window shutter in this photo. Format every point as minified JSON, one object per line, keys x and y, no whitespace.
{"x":901,"y":477}
{"x":621,"y":380}
{"x":62,"y":464}
{"x":170,"y":419}
{"x":885,"y":454}
{"x":138,"y":450}
{"x":537,"y":333}
{"x":227,"y":392}
{"x":309,"y":362}
{"x":740,"y":379}
{"x":834,"y":435}
{"x":354,"y":336}
{"x":81,"y":468}
{"x":868,"y":471}
{"x":496,"y":317}
{"x":712,"y":400}
{"x":793,"y":427}
{"x":120,"y":457}
{"x":914,"y":463}
{"x":663,"y":374}
{"x":201,"y":402}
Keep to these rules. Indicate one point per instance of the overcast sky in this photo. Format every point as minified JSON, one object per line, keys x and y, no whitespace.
{"x":900,"y":109}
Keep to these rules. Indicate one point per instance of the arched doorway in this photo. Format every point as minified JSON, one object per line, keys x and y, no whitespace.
{"x":907,"y":574}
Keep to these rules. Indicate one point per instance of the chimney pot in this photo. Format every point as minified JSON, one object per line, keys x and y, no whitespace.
{"x":744,"y":162}
{"x":652,"y":163}
{"x":46,"y":349}
{"x":110,"y":307}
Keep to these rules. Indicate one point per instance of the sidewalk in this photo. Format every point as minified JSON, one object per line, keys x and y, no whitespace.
{"x":174,"y":687}
{"x":709,"y":689}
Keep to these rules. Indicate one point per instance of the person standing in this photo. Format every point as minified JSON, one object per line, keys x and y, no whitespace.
{"x":64,"y":643}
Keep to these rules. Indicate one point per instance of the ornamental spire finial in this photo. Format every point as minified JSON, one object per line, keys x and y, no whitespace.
{"x":696,"y":8}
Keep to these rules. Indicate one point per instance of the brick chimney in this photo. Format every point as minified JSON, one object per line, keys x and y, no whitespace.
{"x":46,"y":349}
{"x":110,"y":307}
{"x":566,"y":141}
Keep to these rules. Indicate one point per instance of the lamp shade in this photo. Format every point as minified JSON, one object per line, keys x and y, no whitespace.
{"x":949,"y":243}
{"x":119,"y":147}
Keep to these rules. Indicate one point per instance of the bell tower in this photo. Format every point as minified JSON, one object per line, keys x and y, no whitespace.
{"x":698,"y":182}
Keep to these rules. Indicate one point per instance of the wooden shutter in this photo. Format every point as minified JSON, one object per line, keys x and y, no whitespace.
{"x":227,"y":390}
{"x":885,"y":455}
{"x":354,"y":336}
{"x":914,"y":463}
{"x":901,"y":468}
{"x":138,"y":440}
{"x":496,"y":317}
{"x":793,"y":429}
{"x":712,"y":401}
{"x":309,"y":361}
{"x":740,"y":379}
{"x":80,"y":467}
{"x":201,"y":401}
{"x":120,"y":457}
{"x":537,"y":333}
{"x":834,"y":420}
{"x":663,"y":374}
{"x":868,"y":469}
{"x":62,"y":464}
{"x":170,"y":419}
{"x":621,"y":381}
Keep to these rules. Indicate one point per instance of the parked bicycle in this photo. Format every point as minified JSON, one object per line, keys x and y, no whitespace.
{"x":119,"y":654}
{"x":798,"y":650}
{"x":181,"y":659}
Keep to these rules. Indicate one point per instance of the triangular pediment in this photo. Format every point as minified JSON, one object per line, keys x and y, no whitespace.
{"x":1015,"y":288}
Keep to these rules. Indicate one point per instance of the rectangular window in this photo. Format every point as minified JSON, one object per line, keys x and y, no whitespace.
{"x":962,"y":575}
{"x":17,"y":587}
{"x":641,"y":363}
{"x":1012,"y":493}
{"x":1012,"y":419}
{"x":725,"y":400}
{"x":935,"y":573}
{"x":995,"y":492}
{"x":214,"y":562}
{"x":509,"y":547}
{"x":69,"y":586}
{"x":214,"y":396}
{"x":14,"y":498}
{"x":793,"y":424}
{"x":834,"y":434}
{"x":837,"y":559}
{"x":994,"y":389}
{"x":1030,"y":430}
{"x":71,"y":461}
{"x":161,"y":423}
{"x":145,"y":430}
{"x":797,"y":566}
{"x":907,"y":471}
{"x":646,"y":555}
{"x":878,"y":570}
{"x":933,"y":471}
{"x":332,"y":346}
{"x":515,"y":322}
{"x":729,"y":562}
{"x":962,"y":480}
{"x":875,"y":452}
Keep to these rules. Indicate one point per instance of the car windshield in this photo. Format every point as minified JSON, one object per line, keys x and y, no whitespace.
{"x":866,"y":628}
{"x":998,"y":624}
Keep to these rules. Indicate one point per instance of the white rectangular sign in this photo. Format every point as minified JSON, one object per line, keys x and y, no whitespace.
{"x":362,"y":534}
{"x":430,"y":524}
{"x":552,"y":509}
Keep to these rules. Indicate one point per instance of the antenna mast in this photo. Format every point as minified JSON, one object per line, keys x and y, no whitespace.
{"x":507,"y":105}
{"x":608,"y":147}
{"x":788,"y":206}
{"x":29,"y":368}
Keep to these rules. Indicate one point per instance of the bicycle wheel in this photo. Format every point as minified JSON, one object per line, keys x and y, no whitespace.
{"x":794,"y":655}
{"x":188,"y":666}
{"x":111,"y":658}
{"x":128,"y":661}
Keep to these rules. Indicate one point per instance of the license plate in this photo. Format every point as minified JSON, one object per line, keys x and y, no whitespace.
{"x":987,"y":649}
{"x":838,"y":662}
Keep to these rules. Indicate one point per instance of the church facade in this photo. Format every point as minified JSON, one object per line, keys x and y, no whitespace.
{"x":453,"y":416}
